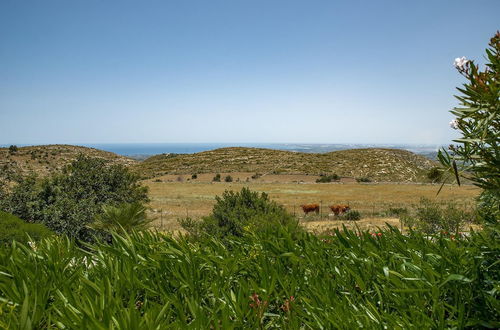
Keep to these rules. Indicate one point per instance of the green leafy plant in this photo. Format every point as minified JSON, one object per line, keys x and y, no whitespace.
{"x":126,"y":216}
{"x":476,"y":155}
{"x":216,"y":178}
{"x":15,"y":229}
{"x":228,"y":178}
{"x":266,"y":279}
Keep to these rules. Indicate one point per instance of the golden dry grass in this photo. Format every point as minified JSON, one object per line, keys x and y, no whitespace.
{"x":173,"y":200}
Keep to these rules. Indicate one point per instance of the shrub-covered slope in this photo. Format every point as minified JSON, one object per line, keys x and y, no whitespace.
{"x":377,"y":164}
{"x":48,"y":159}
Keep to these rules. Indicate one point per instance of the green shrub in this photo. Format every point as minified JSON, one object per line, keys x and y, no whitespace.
{"x":396,"y":212}
{"x":328,"y":178}
{"x":351,"y":215}
{"x":126,"y":216}
{"x":15,"y":229}
{"x":363,"y":179}
{"x":13,"y":149}
{"x":256,"y":176}
{"x":68,"y":202}
{"x":435,"y":174}
{"x":234,"y":213}
{"x":216,"y":178}
{"x":228,"y":178}
{"x":431,"y":217}
{"x":194,"y":176}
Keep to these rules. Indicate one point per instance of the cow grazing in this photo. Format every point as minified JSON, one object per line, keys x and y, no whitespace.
{"x":310,"y":208}
{"x":339,"y":209}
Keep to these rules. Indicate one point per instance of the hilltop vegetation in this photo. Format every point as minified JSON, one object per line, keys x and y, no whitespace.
{"x":391,"y":165}
{"x":45,"y":160}
{"x":377,"y":164}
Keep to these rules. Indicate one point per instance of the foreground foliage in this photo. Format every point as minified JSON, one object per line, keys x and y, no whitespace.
{"x":15,"y":229}
{"x":476,"y":156}
{"x":271,"y":279}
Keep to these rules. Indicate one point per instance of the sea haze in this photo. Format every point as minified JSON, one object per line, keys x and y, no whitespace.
{"x":144,"y":150}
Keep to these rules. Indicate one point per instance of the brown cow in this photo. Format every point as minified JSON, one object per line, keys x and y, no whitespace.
{"x":310,"y":208}
{"x":339,"y":209}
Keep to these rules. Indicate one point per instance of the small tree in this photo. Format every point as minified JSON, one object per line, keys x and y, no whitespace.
{"x":69,"y":202}
{"x":476,"y":155}
{"x":216,"y":178}
{"x":13,"y":149}
{"x":435,"y":174}
{"x":228,"y":178}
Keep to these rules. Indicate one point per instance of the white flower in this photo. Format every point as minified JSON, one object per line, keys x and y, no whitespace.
{"x":460,"y":63}
{"x":454,"y":124}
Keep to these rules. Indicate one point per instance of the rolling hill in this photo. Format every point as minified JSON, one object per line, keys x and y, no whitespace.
{"x":48,"y":159}
{"x":392,"y":165}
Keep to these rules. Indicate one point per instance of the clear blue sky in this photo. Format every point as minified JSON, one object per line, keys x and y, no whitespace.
{"x":236,"y":70}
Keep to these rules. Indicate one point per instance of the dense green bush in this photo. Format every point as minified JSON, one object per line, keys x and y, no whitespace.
{"x":328,"y":178}
{"x":68,"y":202}
{"x":228,"y":178}
{"x":265,"y":280}
{"x":237,"y":212}
{"x":363,"y":179}
{"x":216,"y":178}
{"x":14,"y":229}
{"x":194,"y":176}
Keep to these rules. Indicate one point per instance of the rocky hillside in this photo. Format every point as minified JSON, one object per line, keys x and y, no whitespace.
{"x":391,"y":165}
{"x":47,"y":159}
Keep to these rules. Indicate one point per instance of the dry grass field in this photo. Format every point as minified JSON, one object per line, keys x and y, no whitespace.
{"x":174,"y":197}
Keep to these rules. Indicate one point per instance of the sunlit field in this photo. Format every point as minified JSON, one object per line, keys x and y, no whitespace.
{"x":173,"y":200}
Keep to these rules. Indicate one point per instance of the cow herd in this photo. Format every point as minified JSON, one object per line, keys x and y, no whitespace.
{"x":338,"y":209}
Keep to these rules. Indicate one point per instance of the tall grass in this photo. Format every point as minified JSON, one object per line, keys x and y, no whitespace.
{"x":272,"y":279}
